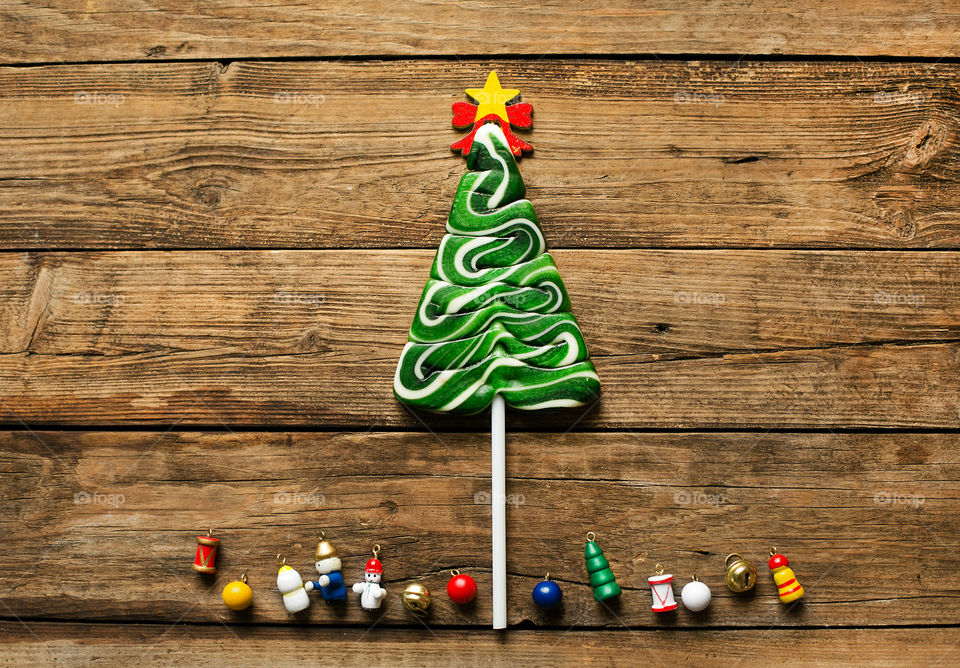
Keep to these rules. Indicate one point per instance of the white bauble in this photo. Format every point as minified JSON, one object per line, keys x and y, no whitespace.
{"x":695,"y":596}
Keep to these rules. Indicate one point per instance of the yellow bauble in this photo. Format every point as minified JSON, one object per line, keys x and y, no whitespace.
{"x":238,"y":595}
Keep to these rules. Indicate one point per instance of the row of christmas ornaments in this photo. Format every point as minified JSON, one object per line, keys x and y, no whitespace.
{"x":238,"y":595}
{"x":741,"y":576}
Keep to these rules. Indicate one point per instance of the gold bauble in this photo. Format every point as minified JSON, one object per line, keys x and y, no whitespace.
{"x":416,"y":598}
{"x":741,"y":574}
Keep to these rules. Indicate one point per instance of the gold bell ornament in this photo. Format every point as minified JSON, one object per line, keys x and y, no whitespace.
{"x":237,"y":594}
{"x":416,"y":598}
{"x":741,"y":574}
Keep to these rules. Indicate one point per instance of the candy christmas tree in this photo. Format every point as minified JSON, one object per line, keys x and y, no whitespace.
{"x":494,"y":325}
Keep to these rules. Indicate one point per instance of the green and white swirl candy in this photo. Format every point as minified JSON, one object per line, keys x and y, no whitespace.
{"x":494,"y":317}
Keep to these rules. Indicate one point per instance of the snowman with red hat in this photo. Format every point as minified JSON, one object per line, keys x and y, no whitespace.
{"x":371,"y":593}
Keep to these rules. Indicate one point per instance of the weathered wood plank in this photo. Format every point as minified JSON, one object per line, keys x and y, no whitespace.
{"x":354,"y":154}
{"x":682,"y":339}
{"x":113,"y":30}
{"x":870,"y":522}
{"x":161,"y":645}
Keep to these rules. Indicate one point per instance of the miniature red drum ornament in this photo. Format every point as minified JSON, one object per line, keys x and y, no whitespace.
{"x":662,"y":586}
{"x":206,"y":553}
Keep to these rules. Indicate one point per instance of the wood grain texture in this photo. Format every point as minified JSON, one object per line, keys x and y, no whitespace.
{"x":69,"y":30}
{"x":681,"y":339}
{"x":697,"y":338}
{"x":870,"y":522}
{"x":354,"y":154}
{"x":184,"y":645}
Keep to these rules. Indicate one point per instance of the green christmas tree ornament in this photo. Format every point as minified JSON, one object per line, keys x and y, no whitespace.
{"x":601,"y":577}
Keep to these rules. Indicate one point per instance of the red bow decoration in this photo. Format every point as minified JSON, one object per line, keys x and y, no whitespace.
{"x":519,"y":115}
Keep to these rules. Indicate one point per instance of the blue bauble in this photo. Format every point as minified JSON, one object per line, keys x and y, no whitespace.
{"x":547,"y":594}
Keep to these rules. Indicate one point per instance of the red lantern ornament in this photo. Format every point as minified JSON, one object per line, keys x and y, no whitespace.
{"x":461,"y":588}
{"x":206,"y":553}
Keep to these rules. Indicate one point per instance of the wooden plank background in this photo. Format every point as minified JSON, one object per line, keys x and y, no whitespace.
{"x":70,"y":30}
{"x":870,"y":520}
{"x":682,"y":339}
{"x":354,"y":154}
{"x":266,"y":646}
{"x":204,"y":212}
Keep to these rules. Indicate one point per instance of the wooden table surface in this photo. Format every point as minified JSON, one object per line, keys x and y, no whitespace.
{"x":215,"y":222}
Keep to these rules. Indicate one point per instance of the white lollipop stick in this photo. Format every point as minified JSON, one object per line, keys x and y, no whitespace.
{"x":498,"y":489}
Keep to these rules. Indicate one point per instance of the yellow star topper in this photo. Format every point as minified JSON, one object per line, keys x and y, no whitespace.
{"x":492,"y":99}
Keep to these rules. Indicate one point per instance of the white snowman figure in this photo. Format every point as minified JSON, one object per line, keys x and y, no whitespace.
{"x":371,"y":593}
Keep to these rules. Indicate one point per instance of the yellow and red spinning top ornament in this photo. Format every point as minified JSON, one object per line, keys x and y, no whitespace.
{"x":787,"y":586}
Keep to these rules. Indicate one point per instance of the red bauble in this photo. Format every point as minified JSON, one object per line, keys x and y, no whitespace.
{"x":461,"y":589}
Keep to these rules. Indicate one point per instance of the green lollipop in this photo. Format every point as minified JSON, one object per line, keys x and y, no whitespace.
{"x":494,"y":326}
{"x":494,"y":318}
